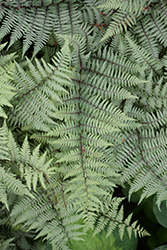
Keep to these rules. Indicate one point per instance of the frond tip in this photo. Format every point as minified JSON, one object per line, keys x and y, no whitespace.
{"x":114,"y":217}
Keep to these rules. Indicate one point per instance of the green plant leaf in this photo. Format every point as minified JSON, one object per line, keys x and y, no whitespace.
{"x":125,"y":243}
{"x":98,"y":242}
{"x":148,"y":209}
{"x":164,"y":247}
{"x":161,"y":215}
{"x":161,"y":235}
{"x":48,"y":246}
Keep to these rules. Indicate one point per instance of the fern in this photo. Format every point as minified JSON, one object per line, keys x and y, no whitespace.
{"x":6,"y":244}
{"x":42,"y":84}
{"x":120,"y":22}
{"x":83,"y":110}
{"x":129,"y":6}
{"x":34,"y":21}
{"x":6,"y":72}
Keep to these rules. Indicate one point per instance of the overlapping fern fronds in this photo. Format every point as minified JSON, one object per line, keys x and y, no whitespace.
{"x":95,"y":99}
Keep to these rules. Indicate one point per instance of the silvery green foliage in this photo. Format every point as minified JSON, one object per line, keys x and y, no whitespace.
{"x":83,"y":112}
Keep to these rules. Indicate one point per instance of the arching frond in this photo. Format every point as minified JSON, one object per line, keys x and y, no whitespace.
{"x":43,"y":84}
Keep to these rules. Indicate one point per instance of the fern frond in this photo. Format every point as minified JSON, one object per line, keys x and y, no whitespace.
{"x":143,"y":57}
{"x":116,"y":61}
{"x":9,"y":184}
{"x":131,"y":6}
{"x":47,"y":218}
{"x":111,"y":219}
{"x":92,"y":15}
{"x":156,"y":24}
{"x":5,"y":244}
{"x":34,"y":22}
{"x":120,"y":21}
{"x":6,"y":72}
{"x":34,"y":167}
{"x":145,"y":39}
{"x":42,"y":85}
{"x":4,"y":153}
{"x":87,"y":119}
